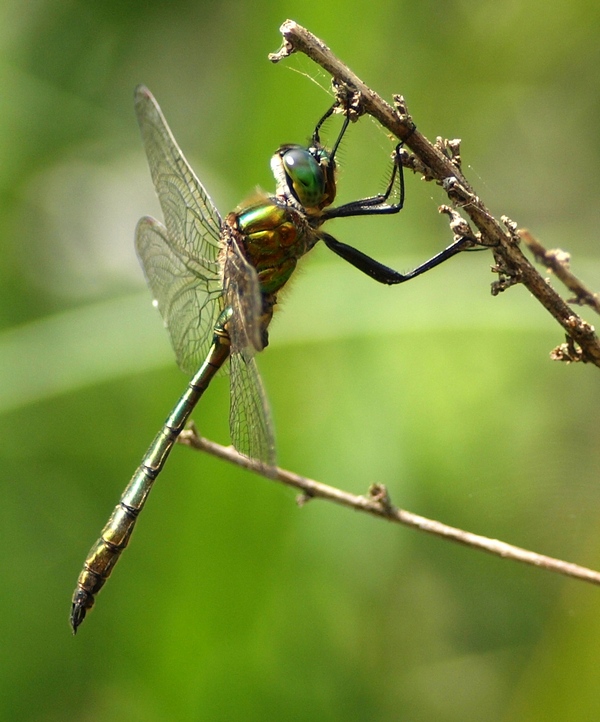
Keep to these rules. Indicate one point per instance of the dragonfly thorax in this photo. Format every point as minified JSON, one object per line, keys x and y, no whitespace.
{"x":273,"y":234}
{"x":306,"y":175}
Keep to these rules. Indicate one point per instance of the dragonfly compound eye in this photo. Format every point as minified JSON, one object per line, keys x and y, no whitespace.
{"x":305,"y":176}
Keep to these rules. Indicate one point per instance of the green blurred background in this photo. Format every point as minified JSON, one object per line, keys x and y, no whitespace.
{"x":231,"y":602}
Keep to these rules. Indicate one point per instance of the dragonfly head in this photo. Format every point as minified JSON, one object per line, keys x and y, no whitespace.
{"x":307,"y":174}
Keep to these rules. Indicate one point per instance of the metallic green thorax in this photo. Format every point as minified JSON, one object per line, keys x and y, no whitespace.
{"x":275,"y":236}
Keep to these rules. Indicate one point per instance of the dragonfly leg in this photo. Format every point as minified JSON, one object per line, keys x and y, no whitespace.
{"x":385,"y":274}
{"x":316,"y":137}
{"x":375,"y":205}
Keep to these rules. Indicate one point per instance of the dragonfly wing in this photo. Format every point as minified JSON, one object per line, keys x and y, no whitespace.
{"x":188,"y":302}
{"x":187,"y":263}
{"x":181,"y":258}
{"x":250,"y":421}
{"x":242,"y":293}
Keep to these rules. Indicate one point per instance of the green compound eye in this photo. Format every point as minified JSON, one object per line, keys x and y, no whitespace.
{"x":305,"y":176}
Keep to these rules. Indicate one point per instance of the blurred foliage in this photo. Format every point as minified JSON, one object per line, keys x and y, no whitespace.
{"x":231,"y":602}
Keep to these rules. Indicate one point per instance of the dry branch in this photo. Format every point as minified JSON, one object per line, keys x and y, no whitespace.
{"x":559,"y":262}
{"x":377,"y":503}
{"x":440,"y":162}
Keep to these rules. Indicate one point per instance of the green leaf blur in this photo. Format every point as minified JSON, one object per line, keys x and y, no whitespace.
{"x":231,"y":602}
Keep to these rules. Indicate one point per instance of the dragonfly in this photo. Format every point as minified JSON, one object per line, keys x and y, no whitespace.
{"x":215,"y":282}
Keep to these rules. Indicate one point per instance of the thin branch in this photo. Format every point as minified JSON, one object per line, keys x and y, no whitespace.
{"x":558,"y":262}
{"x":377,"y":503}
{"x":441,"y":162}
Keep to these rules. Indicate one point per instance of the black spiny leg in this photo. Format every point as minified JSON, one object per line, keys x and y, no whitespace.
{"x":372,"y":206}
{"x":385,"y":274}
{"x":375,"y":205}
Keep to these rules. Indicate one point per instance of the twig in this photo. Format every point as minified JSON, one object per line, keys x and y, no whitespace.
{"x":377,"y":503}
{"x":444,"y":167}
{"x":558,"y":262}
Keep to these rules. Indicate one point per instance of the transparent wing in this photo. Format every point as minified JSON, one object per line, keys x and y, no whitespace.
{"x":242,"y":293}
{"x":250,"y":422}
{"x":249,"y":416}
{"x":189,"y":302}
{"x":181,"y":258}
{"x":194,"y":266}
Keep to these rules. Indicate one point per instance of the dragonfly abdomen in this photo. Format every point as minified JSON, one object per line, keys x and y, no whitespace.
{"x":115,"y":536}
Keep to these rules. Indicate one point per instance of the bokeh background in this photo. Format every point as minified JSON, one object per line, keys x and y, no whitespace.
{"x":231,"y":602}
